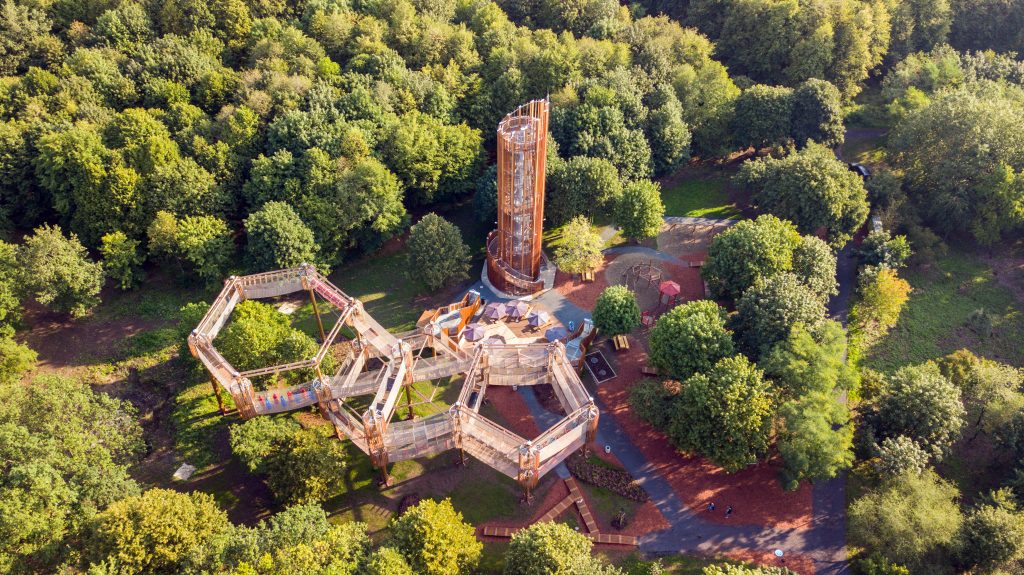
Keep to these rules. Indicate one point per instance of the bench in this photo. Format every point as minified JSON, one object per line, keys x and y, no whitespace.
{"x":588,"y":276}
{"x":648,"y":370}
{"x":620,"y":342}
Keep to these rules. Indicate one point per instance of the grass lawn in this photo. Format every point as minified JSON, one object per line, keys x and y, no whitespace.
{"x":865,"y":148}
{"x":704,"y":197}
{"x":934,"y":321}
{"x":380,"y":283}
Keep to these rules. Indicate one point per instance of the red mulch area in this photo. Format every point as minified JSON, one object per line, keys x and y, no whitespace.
{"x":798,"y":563}
{"x":646,"y":519}
{"x":513,"y":410}
{"x":583,"y":294}
{"x":689,"y":280}
{"x":755,"y":493}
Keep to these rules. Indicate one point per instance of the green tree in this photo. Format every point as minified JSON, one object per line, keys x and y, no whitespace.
{"x":767,"y":312}
{"x":205,"y":244}
{"x":817,"y":114}
{"x":433,"y":160}
{"x":437,"y":254}
{"x":387,"y":561}
{"x":815,"y":439}
{"x":666,"y":130}
{"x":260,"y":336}
{"x":962,"y":155}
{"x":545,"y":549}
{"x":56,"y":271}
{"x":811,"y":360}
{"x":909,"y":519}
{"x":485,"y":200}
{"x":157,"y":531}
{"x":59,"y":472}
{"x":900,"y":455}
{"x":814,"y":265}
{"x":763,"y":116}
{"x":725,"y":414}
{"x":923,"y":405}
{"x":640,"y":211}
{"x":121,"y":259}
{"x":749,"y":251}
{"x":812,"y":189}
{"x":616,"y":311}
{"x":301,"y":465}
{"x":277,"y":238}
{"x":992,"y":534}
{"x":435,"y":540}
{"x":881,"y":249}
{"x":580,"y":248}
{"x":581,"y":186}
{"x":15,"y":359}
{"x":689,"y":339}
{"x":10,"y":304}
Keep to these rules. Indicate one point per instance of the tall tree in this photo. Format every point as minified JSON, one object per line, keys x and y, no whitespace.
{"x":923,"y":405}
{"x":157,"y":531}
{"x":725,"y":414}
{"x":767,"y":312}
{"x":963,"y":155}
{"x":580,"y":248}
{"x":816,"y":438}
{"x":640,"y":210}
{"x":435,"y":540}
{"x":581,"y":186}
{"x":909,"y":519}
{"x":57,"y":272}
{"x":437,"y":254}
{"x":812,"y":189}
{"x":690,"y":339}
{"x":749,"y":251}
{"x":277,"y":238}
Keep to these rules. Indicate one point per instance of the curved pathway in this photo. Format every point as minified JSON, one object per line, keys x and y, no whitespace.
{"x":824,"y":542}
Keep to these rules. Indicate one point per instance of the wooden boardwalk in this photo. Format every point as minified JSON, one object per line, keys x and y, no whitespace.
{"x":575,"y":497}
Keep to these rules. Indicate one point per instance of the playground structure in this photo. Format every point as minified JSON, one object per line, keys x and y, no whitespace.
{"x":643,"y":272}
{"x":381,"y":366}
{"x":514,"y":257}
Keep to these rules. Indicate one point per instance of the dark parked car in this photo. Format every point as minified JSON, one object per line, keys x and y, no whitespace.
{"x":860,"y":169}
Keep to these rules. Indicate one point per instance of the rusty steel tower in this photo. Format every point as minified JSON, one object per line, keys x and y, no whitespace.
{"x":514,"y":257}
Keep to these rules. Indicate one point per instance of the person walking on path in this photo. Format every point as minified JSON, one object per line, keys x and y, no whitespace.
{"x":711,"y":506}
{"x":728,"y":512}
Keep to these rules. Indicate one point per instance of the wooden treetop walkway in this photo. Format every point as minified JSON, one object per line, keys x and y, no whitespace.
{"x":382,"y":366}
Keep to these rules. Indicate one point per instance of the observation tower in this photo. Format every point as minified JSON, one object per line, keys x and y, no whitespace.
{"x":514,"y":258}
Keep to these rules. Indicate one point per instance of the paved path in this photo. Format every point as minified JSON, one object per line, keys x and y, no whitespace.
{"x":824,"y":542}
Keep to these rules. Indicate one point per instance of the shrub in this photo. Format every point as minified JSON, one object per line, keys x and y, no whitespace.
{"x":121,"y":259}
{"x":616,"y":311}
{"x":618,"y":481}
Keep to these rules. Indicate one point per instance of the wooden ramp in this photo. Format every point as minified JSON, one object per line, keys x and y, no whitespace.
{"x":575,"y":497}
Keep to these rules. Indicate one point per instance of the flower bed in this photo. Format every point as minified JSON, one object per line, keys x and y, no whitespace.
{"x":617,"y":481}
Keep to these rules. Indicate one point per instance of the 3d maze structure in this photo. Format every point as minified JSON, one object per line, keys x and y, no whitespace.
{"x":377,"y":367}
